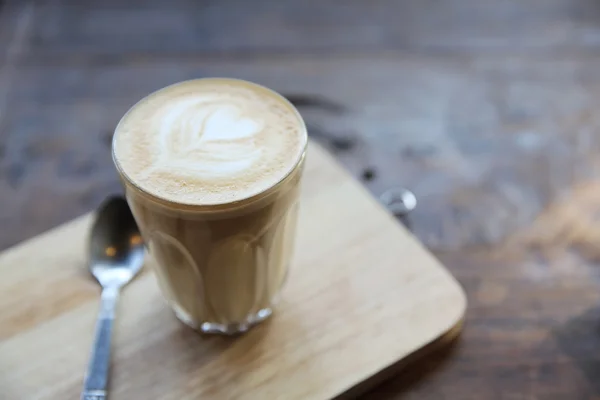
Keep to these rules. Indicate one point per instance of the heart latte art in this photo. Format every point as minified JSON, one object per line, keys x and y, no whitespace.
{"x":209,"y":141}
{"x":204,"y":138}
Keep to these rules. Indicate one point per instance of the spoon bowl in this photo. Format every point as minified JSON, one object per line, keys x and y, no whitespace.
{"x":116,"y":248}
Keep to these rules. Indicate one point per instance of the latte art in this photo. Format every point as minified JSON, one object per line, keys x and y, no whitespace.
{"x":209,"y":141}
{"x":205,"y":139}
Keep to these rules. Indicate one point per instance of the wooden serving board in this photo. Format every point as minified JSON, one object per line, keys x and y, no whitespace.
{"x":363,"y":295}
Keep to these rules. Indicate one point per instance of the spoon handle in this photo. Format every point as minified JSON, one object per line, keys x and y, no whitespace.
{"x":96,"y":378}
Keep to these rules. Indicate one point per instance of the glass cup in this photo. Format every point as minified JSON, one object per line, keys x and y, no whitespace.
{"x":221,"y":267}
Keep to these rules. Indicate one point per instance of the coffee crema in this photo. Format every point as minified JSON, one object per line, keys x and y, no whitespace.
{"x":209,"y":141}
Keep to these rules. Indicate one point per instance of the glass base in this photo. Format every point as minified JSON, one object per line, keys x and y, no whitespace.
{"x":225,"y":329}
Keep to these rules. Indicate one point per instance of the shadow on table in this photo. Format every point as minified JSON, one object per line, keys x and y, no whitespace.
{"x":579,"y":339}
{"x":410,"y":371}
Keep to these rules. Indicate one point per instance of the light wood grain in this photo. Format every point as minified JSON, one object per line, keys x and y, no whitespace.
{"x":363,"y":294}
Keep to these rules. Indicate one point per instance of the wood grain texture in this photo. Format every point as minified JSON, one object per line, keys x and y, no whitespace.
{"x":486,"y":109}
{"x":356,"y":303}
{"x":113,"y":29}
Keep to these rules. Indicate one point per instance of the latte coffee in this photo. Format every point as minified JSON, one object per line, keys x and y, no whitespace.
{"x":212,"y":170}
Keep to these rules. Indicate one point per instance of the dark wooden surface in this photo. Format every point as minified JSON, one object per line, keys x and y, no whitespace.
{"x":488,"y":110}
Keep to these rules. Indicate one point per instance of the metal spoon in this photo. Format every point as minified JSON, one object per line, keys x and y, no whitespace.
{"x":116,"y":254}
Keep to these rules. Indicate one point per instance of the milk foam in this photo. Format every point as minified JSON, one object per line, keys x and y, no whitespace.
{"x":209,"y":141}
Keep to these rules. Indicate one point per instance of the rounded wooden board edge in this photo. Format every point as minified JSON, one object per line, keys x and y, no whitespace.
{"x":442,"y":341}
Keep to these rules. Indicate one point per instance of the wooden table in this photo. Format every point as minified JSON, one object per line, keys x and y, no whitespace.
{"x":486,"y":109}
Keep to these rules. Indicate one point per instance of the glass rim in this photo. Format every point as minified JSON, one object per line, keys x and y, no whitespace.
{"x":227,"y":206}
